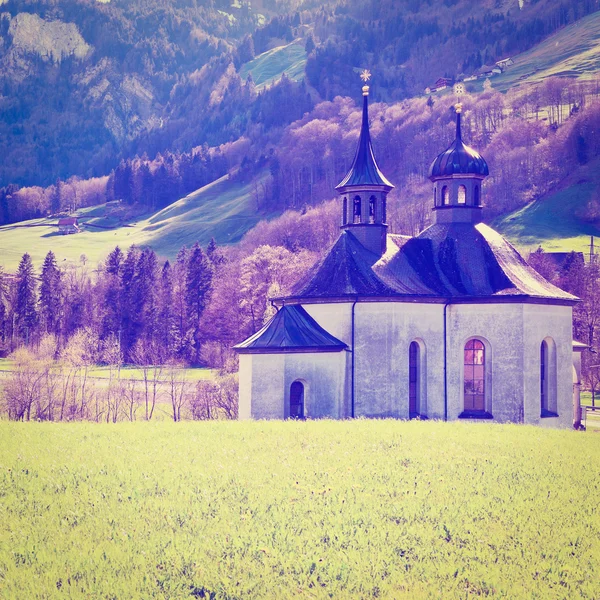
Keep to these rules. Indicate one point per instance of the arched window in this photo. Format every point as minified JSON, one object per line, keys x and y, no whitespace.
{"x":383,"y":210}
{"x":474,"y":377}
{"x":462,"y":194}
{"x":435,"y":196}
{"x":345,"y":211}
{"x":445,"y":196}
{"x":548,"y":402}
{"x":413,"y":380}
{"x":372,"y":206}
{"x":476,"y":199}
{"x":297,"y":400}
{"x":357,"y":209}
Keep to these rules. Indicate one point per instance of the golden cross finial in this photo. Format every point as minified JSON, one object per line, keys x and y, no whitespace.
{"x":365,"y":75}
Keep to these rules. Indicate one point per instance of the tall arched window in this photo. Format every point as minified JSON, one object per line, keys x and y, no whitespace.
{"x":345,"y":211}
{"x":544,"y":376}
{"x":372,"y":207}
{"x":357,"y":209}
{"x":476,"y":199}
{"x":383,"y":210}
{"x":462,"y":194}
{"x":548,"y":399}
{"x":413,"y":380}
{"x":297,"y":400}
{"x":435,"y":196}
{"x":445,"y":195}
{"x":474,"y":377}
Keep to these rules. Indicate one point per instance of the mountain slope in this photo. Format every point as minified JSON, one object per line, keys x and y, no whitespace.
{"x":224,"y":209}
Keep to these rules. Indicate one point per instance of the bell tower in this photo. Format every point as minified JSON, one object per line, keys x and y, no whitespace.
{"x":457,"y":175}
{"x":364,"y":190}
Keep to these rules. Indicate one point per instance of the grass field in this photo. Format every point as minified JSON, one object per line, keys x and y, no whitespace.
{"x":363,"y":509}
{"x":223,"y":209}
{"x":551,"y":222}
{"x":269,"y":66}
{"x":571,"y":52}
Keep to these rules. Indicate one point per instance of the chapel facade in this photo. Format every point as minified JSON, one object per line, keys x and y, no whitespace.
{"x":450,"y":324}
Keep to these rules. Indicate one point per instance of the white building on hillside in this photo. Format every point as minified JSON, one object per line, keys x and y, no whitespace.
{"x":450,"y":324}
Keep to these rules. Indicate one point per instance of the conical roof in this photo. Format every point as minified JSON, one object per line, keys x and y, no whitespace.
{"x":291,"y":329}
{"x":364,"y":169}
{"x":458,"y":159}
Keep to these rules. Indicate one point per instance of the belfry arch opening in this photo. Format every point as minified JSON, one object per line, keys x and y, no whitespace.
{"x":357,"y":209}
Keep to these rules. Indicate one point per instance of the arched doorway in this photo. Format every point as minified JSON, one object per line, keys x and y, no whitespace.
{"x":297,"y":400}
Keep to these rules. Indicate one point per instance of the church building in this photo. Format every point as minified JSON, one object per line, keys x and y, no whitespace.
{"x":450,"y":324}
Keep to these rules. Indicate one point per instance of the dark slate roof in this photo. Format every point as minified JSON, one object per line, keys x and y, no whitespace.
{"x":346,"y":270}
{"x":461,"y":260}
{"x":458,"y":159}
{"x":291,"y":329}
{"x":364,"y":169}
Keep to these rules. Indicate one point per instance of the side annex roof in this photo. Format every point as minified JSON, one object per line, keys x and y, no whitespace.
{"x":290,"y":330}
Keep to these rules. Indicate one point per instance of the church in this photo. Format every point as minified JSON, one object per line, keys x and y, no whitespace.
{"x":450,"y":324}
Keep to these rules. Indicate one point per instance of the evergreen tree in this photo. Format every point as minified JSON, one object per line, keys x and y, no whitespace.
{"x":50,"y":295}
{"x":198,"y":284}
{"x":25,"y":303}
{"x":129,"y":320}
{"x":165,"y":311}
{"x":182,"y":334}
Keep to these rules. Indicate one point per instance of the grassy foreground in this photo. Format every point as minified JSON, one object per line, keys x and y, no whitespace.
{"x":360,"y":509}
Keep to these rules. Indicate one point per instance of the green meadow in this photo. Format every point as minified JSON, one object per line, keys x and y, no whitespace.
{"x":224,"y":209}
{"x":573,"y":51}
{"x":269,"y":66}
{"x":322,"y":509}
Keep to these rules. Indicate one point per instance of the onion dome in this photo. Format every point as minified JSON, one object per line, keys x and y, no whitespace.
{"x":458,"y":159}
{"x":364,"y":169}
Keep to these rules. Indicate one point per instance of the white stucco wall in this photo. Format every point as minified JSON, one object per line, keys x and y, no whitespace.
{"x":540,"y":322}
{"x":500,"y":327}
{"x":384,"y":331}
{"x":512,"y":334}
{"x":265,"y":381}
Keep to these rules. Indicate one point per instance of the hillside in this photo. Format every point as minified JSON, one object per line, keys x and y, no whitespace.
{"x":269,"y":66}
{"x":224,"y":209}
{"x":573,"y":51}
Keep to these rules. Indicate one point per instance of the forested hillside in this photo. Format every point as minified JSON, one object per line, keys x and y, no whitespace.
{"x":86,"y":84}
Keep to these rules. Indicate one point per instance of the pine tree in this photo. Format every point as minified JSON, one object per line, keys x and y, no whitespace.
{"x":198,"y":284}
{"x":50,"y":295}
{"x":128,"y":333}
{"x":25,"y":312}
{"x":165,"y":311}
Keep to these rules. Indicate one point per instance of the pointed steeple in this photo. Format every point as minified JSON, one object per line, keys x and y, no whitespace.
{"x":365,"y":189}
{"x":364,"y":169}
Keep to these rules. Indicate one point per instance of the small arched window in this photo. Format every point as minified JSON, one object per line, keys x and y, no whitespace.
{"x":357,"y":209}
{"x":297,"y":400}
{"x":435,"y":196}
{"x":372,"y":207}
{"x":383,"y":210}
{"x":462,"y":194}
{"x":345,"y":211}
{"x":445,"y":195}
{"x":476,"y":199}
{"x":474,"y":377}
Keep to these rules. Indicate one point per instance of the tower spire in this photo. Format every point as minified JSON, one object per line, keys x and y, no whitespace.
{"x":364,"y":169}
{"x":365,"y":189}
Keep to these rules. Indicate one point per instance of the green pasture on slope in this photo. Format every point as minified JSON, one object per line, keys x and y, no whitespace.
{"x":552,"y":222}
{"x":573,"y":51}
{"x":269,"y":66}
{"x":321,"y":509}
{"x":224,"y":209}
